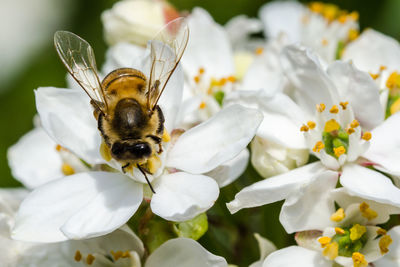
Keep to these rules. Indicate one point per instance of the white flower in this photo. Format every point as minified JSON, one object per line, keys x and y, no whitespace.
{"x":96,"y":251}
{"x":341,"y":142}
{"x":95,"y":203}
{"x":136,"y":21}
{"x":322,"y":27}
{"x":350,"y":236}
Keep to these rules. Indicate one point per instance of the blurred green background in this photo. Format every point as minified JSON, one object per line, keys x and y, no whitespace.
{"x":231,"y":238}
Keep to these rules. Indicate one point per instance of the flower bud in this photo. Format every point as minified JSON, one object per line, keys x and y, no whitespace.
{"x":136,"y":21}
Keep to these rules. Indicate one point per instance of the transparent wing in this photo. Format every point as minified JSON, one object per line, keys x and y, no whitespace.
{"x":78,"y":57}
{"x":166,"y":51}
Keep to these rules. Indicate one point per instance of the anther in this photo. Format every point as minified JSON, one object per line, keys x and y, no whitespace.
{"x":90,"y":259}
{"x":320,"y":107}
{"x":350,"y":130}
{"x":78,"y":256}
{"x":384,"y":243}
{"x":366,"y":136}
{"x":311,"y":124}
{"x":381,"y":231}
{"x":339,"y":151}
{"x":166,"y":137}
{"x":353,"y":34}
{"x":259,"y":50}
{"x":334,"y":109}
{"x":196,"y":79}
{"x":344,"y":105}
{"x":105,"y":151}
{"x":331,"y":125}
{"x":367,"y":212}
{"x":117,"y":255}
{"x":338,"y":215}
{"x":202,"y":105}
{"x":357,"y":231}
{"x":304,"y":128}
{"x":232,"y":79}
{"x":67,"y":169}
{"x":324,"y":241}
{"x":201,"y":70}
{"x":324,"y":42}
{"x":318,"y":146}
{"x":359,"y":260}
{"x":339,"y":231}
{"x":374,"y":76}
{"x":354,"y":124}
{"x":331,"y":250}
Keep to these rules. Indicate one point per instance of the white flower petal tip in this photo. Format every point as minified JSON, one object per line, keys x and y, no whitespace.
{"x":275,"y":188}
{"x":80,"y":206}
{"x":230,"y":170}
{"x":67,"y":117}
{"x":183,"y":252}
{"x":370,"y":184}
{"x":182,"y":196}
{"x":215,"y":141}
{"x":296,"y":256}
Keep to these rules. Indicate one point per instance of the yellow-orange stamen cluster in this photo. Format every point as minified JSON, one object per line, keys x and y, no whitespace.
{"x":67,"y":169}
{"x":320,"y":107}
{"x":367,"y":136}
{"x":120,"y":255}
{"x":344,"y":105}
{"x":359,"y":260}
{"x":384,"y":243}
{"x":334,"y":109}
{"x":338,"y":215}
{"x":318,"y":146}
{"x":367,"y":212}
{"x":332,"y":12}
{"x":339,"y":151}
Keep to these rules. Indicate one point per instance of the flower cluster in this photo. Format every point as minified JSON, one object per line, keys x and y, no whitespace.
{"x":312,"y":107}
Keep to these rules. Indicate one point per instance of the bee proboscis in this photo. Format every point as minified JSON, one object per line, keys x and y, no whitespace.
{"x":125,"y":102}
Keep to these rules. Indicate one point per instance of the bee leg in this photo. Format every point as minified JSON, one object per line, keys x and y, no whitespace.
{"x":145,"y":176}
{"x":124,"y":167}
{"x":160,"y":150}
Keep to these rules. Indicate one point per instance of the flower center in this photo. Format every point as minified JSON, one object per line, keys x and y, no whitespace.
{"x":332,"y":133}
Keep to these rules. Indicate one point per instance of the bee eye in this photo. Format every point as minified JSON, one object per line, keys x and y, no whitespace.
{"x":117,"y":148}
{"x":141,"y":149}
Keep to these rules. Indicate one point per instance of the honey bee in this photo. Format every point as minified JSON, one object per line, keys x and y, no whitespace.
{"x":125,"y":102}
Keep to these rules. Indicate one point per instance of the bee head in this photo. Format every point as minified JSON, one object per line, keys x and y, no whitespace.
{"x":131,"y":151}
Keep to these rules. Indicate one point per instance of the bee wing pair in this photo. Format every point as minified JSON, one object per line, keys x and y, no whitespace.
{"x":166,"y":51}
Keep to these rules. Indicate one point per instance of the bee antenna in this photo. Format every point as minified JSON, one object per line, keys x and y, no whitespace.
{"x":147,"y":179}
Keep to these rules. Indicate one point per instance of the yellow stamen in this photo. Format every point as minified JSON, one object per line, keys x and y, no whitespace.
{"x":324,"y":42}
{"x":359,"y":260}
{"x":153,"y":164}
{"x":395,"y":107}
{"x":331,"y":125}
{"x":311,"y":124}
{"x":59,"y":148}
{"x":339,"y":231}
{"x":366,"y":136}
{"x":334,"y":109}
{"x":381,"y":231}
{"x":304,"y":128}
{"x":117,"y":255}
{"x":259,"y":50}
{"x":354,"y":124}
{"x":223,"y":81}
{"x":353,"y":34}
{"x":213,"y":83}
{"x":126,"y":254}
{"x":196,"y":79}
{"x":232,"y":79}
{"x":344,"y":105}
{"x":339,"y":151}
{"x":318,"y":146}
{"x":331,"y":250}
{"x":382,"y":68}
{"x":316,"y":7}
{"x":384,"y":243}
{"x":392,"y":80}
{"x":90,"y":259}
{"x":324,"y":241}
{"x":367,"y":212}
{"x":330,"y":12}
{"x":201,"y":70}
{"x":78,"y":256}
{"x":202,"y":105}
{"x":374,"y":76}
{"x":350,"y":130}
{"x":320,"y":107}
{"x":105,"y":151}
{"x":166,"y":137}
{"x":338,"y":215}
{"x":357,"y":231}
{"x":354,"y":15}
{"x":342,"y":19}
{"x":67,"y":169}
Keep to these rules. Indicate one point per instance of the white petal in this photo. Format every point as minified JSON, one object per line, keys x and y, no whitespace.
{"x":310,"y":207}
{"x":329,"y":161}
{"x":371,"y":50}
{"x":208,"y":47}
{"x":392,"y":258}
{"x":296,"y":256}
{"x":282,"y":16}
{"x":229,"y":171}
{"x":266,"y":246}
{"x":384,"y":147}
{"x":370,"y":184}
{"x":78,"y":206}
{"x":183,"y":252}
{"x":34,"y":160}
{"x":215,"y":141}
{"x":282,"y":117}
{"x":240,"y":27}
{"x":313,"y":86}
{"x":360,"y":91}
{"x":67,"y":117}
{"x":274,"y":189}
{"x":181,"y":196}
